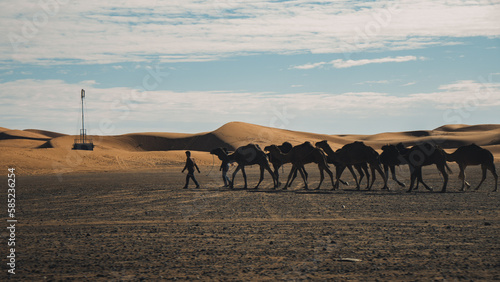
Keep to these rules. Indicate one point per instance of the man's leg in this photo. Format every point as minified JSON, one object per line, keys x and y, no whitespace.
{"x":195,"y":182}
{"x":187,"y":181}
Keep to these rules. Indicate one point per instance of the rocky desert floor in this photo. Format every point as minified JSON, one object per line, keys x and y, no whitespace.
{"x":140,"y":225}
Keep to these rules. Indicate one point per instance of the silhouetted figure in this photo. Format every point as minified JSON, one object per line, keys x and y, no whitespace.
{"x":390,"y":158}
{"x":299,"y":156}
{"x":425,"y":154}
{"x":357,"y":153}
{"x":473,"y":155}
{"x":248,"y":155}
{"x":190,"y":166}
{"x":224,"y":167}
{"x":285,"y":148}
{"x":332,"y":158}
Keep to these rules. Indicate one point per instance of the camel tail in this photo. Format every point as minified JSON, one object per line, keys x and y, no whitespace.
{"x":448,"y":168}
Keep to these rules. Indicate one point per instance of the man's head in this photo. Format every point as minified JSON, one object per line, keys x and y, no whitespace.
{"x":188,"y":154}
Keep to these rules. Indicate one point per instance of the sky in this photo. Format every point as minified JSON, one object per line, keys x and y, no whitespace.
{"x":332,"y":67}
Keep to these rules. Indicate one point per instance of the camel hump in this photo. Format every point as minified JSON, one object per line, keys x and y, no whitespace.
{"x":472,"y":148}
{"x":306,"y":144}
{"x":216,"y":151}
{"x":356,"y":145}
{"x":475,"y":147}
{"x":252,"y":146}
{"x":285,"y":147}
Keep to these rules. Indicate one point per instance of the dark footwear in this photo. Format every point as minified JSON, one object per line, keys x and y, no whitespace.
{"x":197,"y":186}
{"x":185,"y":187}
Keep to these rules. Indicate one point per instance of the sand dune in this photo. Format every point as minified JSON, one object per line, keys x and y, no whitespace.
{"x":40,"y":152}
{"x":463,"y":127}
{"x":22,"y":134}
{"x":50,"y":134}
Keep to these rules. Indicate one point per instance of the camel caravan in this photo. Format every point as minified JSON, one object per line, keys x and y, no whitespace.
{"x":360,"y":157}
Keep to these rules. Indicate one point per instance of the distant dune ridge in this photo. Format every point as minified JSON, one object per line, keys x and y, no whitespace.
{"x":35,"y":151}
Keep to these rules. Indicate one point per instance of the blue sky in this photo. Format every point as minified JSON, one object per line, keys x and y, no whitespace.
{"x":330,"y":67}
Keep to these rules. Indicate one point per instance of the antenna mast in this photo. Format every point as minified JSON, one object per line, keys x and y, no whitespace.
{"x":83,"y":143}
{"x":83,"y":133}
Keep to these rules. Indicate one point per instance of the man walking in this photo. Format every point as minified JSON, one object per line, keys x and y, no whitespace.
{"x":190,"y":166}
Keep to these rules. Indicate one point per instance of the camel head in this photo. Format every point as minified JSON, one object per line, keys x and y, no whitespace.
{"x":322,"y":144}
{"x":272,"y":148}
{"x":220,"y":152}
{"x":388,"y":147}
{"x":274,"y":151}
{"x":400,"y":146}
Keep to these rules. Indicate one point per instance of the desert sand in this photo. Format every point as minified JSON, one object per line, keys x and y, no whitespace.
{"x":36,"y":152}
{"x":119,"y":213}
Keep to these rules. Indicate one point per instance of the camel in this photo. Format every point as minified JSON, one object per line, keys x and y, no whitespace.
{"x":250,"y":154}
{"x":332,"y":158}
{"x":423,"y":155}
{"x":473,"y":155}
{"x":390,"y":158}
{"x":358,"y":153}
{"x":299,"y":156}
{"x":277,"y":163}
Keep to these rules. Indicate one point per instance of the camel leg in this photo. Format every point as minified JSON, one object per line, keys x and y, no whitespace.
{"x":330,"y":173}
{"x":416,"y":174}
{"x":301,"y":170}
{"x":292,"y":170}
{"x":244,"y":176}
{"x":413,"y":177}
{"x":364,"y":166}
{"x":376,"y":167}
{"x":294,"y":175}
{"x":393,"y":172}
{"x":277,"y":173}
{"x":321,"y":176}
{"x":261,"y":177}
{"x":360,"y":168}
{"x":349,"y":167}
{"x":461,"y":176}
{"x":381,"y":172}
{"x":442,"y":169}
{"x":337,"y":167}
{"x":483,"y":168}
{"x":275,"y":180}
{"x":386,"y":171}
{"x":491,"y":167}
{"x":338,"y":174}
{"x":421,"y":180}
{"x":368,"y":185}
{"x":231,"y":185}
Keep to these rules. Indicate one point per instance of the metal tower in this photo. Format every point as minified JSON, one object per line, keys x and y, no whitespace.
{"x":83,"y":142}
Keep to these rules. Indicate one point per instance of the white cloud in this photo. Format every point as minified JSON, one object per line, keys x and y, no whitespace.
{"x":55,"y":105}
{"x":193,"y":30}
{"x":409,"y":83}
{"x":340,"y":64}
{"x":374,"y":82}
{"x":310,"y":66}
